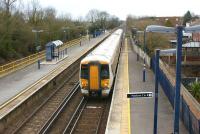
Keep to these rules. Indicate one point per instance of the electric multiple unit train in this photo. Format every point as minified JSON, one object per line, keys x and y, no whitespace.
{"x":97,"y":69}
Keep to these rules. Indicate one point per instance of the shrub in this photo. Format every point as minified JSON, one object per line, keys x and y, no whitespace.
{"x":194,"y":88}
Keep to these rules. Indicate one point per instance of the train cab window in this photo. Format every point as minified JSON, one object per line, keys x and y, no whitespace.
{"x":104,"y":72}
{"x":84,"y":71}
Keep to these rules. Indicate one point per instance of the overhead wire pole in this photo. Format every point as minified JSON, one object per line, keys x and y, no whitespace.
{"x":65,"y":30}
{"x":64,"y":35}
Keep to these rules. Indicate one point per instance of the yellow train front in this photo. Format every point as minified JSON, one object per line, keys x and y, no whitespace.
{"x":98,"y":68}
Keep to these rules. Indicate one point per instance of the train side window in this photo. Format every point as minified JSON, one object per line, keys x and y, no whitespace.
{"x":84,"y":71}
{"x":104,"y":72}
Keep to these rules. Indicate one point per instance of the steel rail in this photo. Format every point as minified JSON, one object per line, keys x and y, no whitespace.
{"x":59,"y":110}
{"x":77,"y":113}
{"x":38,"y":108}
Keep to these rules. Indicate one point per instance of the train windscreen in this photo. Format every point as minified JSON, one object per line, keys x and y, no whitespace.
{"x":84,"y":71}
{"x":104,"y":72}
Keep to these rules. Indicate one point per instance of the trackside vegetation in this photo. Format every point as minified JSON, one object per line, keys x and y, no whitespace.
{"x":19,"y":18}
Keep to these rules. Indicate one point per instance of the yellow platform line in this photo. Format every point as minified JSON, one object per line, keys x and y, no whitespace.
{"x":125,"y":122}
{"x":129,"y":116}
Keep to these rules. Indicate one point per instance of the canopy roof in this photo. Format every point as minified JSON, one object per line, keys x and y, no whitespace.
{"x":57,"y":43}
{"x":192,"y":45}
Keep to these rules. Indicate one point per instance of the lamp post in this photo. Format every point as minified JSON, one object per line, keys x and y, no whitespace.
{"x":37,"y":44}
{"x":158,"y":29}
{"x":65,"y":30}
{"x":64,"y":35}
{"x":144,"y":66}
{"x":144,"y":49}
{"x":179,"y":31}
{"x":88,"y":36}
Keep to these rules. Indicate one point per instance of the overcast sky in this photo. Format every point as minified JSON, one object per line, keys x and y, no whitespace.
{"x":121,"y":8}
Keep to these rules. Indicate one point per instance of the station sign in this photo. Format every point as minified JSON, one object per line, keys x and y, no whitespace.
{"x":140,"y":95}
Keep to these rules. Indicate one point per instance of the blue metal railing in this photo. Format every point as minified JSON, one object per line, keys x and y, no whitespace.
{"x":191,"y":122}
{"x":188,"y":118}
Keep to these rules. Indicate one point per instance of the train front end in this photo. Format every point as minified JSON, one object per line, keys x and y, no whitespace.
{"x":95,"y":79}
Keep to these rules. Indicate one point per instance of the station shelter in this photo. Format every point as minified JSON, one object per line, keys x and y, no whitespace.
{"x":53,"y":50}
{"x":98,"y":33}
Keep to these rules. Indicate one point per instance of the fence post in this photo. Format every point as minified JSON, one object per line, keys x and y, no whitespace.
{"x":190,"y":123}
{"x":137,"y":57}
{"x":199,"y":126}
{"x":182,"y":109}
{"x":144,"y":70}
{"x":38,"y":64}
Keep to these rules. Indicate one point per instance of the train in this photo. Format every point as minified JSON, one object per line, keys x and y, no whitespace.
{"x":97,"y":69}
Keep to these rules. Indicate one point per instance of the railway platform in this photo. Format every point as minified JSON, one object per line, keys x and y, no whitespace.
{"x":12,"y":84}
{"x":135,"y":116}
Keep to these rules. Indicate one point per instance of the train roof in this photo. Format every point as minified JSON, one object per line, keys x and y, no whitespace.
{"x":105,"y":51}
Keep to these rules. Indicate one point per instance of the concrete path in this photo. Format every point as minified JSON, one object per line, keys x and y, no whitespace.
{"x":119,"y":117}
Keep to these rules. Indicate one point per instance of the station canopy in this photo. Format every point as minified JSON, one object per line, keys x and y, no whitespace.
{"x":57,"y":43}
{"x":192,"y":45}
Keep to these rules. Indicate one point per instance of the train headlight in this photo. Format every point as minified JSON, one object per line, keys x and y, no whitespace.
{"x":105,"y":83}
{"x":84,"y":83}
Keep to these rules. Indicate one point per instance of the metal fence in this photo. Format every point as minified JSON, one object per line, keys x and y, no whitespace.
{"x":189,"y":107}
{"x":21,"y":63}
{"x":190,"y":120}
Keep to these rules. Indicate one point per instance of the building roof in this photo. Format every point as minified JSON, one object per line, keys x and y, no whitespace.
{"x":192,"y":45}
{"x":173,"y":41}
{"x":57,"y":43}
{"x":187,"y":34}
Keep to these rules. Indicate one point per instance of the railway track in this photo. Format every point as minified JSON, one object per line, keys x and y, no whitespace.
{"x":70,"y":114}
{"x":43,"y":112}
{"x":90,"y":118}
{"x":58,"y":121}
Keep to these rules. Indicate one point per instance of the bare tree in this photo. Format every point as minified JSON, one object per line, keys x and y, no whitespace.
{"x":50,"y":13}
{"x":92,"y":15}
{"x":7,"y":4}
{"x":34,"y":12}
{"x":103,"y":17}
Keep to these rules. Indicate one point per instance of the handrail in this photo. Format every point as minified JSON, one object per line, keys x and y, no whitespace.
{"x":23,"y":62}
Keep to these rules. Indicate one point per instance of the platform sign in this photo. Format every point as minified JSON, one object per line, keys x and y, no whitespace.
{"x":140,"y":95}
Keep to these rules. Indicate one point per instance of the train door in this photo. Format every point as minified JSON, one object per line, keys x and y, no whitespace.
{"x":94,"y":77}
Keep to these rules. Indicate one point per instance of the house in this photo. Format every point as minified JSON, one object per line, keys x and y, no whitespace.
{"x":196,"y":36}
